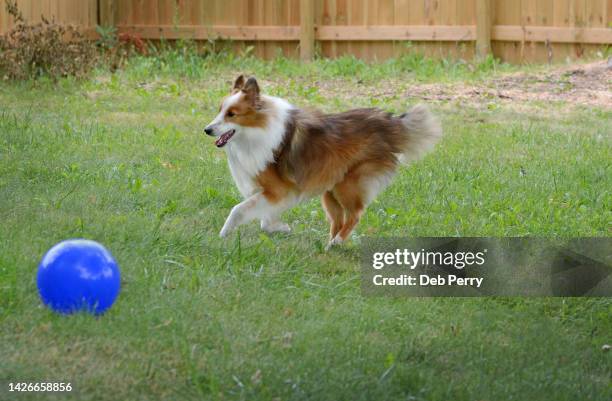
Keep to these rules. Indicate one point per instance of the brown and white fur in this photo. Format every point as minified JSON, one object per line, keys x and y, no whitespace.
{"x":280,"y":155}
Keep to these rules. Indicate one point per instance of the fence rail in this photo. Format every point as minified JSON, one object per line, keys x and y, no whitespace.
{"x":532,"y":31}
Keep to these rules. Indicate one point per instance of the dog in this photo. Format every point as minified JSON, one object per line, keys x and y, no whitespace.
{"x":280,"y":155}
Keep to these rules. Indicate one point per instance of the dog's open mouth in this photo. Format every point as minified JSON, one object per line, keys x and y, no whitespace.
{"x":224,"y":139}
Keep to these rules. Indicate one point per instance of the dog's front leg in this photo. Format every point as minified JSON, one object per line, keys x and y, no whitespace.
{"x":255,"y":207}
{"x":241,"y":213}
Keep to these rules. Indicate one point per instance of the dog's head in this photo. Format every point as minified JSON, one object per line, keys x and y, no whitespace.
{"x":240,"y":110}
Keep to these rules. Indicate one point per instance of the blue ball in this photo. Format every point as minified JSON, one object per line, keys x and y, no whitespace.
{"x":78,"y":275}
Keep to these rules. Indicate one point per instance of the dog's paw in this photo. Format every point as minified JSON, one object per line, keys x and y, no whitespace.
{"x":224,"y":232}
{"x":278,"y":227}
{"x":337,"y":240}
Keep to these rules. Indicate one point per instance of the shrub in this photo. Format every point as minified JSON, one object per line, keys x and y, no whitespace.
{"x":44,"y":48}
{"x":117,"y":48}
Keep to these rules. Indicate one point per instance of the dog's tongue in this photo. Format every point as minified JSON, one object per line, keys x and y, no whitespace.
{"x":222,"y":140}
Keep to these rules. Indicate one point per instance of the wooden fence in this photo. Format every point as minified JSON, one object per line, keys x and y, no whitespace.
{"x":515,"y":31}
{"x":78,"y":12}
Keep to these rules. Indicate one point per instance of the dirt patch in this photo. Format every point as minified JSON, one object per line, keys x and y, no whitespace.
{"x":586,"y":85}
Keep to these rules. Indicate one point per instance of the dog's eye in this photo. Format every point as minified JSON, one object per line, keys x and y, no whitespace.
{"x":231,"y":114}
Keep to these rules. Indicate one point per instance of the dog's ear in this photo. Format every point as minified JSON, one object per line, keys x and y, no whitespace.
{"x":251,"y":89}
{"x":238,"y":83}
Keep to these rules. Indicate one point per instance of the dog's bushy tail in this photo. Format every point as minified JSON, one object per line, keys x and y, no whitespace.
{"x":423,"y":130}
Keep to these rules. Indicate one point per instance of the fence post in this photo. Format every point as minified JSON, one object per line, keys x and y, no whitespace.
{"x":307,"y":29}
{"x":106,"y":12}
{"x":484,"y":22}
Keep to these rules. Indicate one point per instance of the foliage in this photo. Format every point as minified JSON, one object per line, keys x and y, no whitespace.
{"x":117,"y":48}
{"x":189,"y":59}
{"x":44,"y":48}
{"x":107,"y":37}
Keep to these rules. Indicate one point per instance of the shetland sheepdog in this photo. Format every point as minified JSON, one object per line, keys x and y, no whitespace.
{"x":280,"y":155}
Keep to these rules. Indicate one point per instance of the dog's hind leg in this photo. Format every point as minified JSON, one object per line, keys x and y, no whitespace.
{"x":358,"y":188}
{"x":334,"y":212}
{"x":350,"y":197}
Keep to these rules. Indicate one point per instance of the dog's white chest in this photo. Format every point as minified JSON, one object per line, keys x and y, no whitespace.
{"x":247,"y":158}
{"x":244,"y":170}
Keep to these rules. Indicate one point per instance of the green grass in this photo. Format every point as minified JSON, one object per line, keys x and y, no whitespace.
{"x":121,"y":159}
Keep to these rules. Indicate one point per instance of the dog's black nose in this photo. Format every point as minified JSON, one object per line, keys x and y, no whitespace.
{"x":208,"y":131}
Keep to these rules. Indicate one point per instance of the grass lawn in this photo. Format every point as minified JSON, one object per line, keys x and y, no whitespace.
{"x":121,"y":159}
